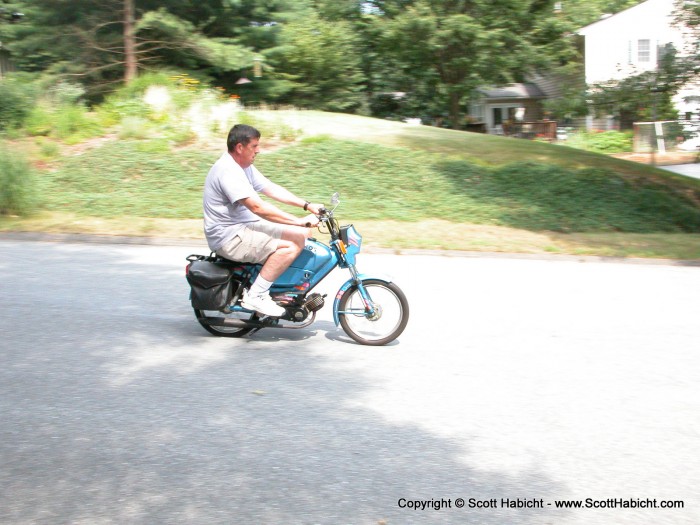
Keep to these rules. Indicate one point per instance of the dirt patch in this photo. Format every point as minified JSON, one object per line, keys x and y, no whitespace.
{"x":96,"y":142}
{"x":658,"y":159}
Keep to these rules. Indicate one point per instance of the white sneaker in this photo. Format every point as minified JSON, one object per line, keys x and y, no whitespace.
{"x":262,"y":304}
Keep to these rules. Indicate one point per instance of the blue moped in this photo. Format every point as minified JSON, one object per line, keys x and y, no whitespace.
{"x":372,"y":310}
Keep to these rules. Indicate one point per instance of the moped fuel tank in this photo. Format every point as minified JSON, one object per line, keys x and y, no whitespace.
{"x":304,"y":271}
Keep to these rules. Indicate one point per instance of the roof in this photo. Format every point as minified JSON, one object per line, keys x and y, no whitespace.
{"x":511,"y":91}
{"x":666,"y":5}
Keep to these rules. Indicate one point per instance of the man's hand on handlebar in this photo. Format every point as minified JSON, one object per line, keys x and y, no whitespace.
{"x":310,"y":221}
{"x":314,"y":208}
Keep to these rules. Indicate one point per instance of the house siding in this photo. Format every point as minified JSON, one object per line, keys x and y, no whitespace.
{"x":613,"y":45}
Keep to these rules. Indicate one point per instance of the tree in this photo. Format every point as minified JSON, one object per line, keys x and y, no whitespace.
{"x":646,"y":96}
{"x":317,"y":65}
{"x":106,"y":41}
{"x":456,"y":46}
{"x":131,"y":61}
{"x":687,"y":17}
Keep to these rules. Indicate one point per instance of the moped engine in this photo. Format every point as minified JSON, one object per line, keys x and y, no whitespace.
{"x":300,"y":311}
{"x":314,"y":302}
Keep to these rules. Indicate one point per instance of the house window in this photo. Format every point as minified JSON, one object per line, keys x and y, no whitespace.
{"x":644,"y":50}
{"x":477,"y":112}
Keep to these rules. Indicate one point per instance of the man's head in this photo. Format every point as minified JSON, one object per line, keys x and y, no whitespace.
{"x":242,"y":143}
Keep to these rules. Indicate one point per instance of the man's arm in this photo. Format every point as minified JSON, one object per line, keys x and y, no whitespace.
{"x":283,"y":195}
{"x":273,"y":214}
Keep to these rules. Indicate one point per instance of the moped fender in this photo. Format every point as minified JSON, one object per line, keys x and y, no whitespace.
{"x":346,"y":286}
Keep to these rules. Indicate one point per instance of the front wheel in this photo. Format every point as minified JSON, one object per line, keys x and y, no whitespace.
{"x":380,"y":324}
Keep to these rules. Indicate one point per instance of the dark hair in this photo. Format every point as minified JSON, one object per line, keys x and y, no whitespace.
{"x":241,"y":134}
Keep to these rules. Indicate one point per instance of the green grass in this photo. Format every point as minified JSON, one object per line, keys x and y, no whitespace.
{"x":132,"y":178}
{"x":534,"y":197}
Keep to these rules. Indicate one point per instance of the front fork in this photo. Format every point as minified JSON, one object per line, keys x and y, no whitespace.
{"x":371,"y":310}
{"x":366,"y":299}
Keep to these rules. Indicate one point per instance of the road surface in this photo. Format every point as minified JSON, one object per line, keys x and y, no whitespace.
{"x":518,"y":384}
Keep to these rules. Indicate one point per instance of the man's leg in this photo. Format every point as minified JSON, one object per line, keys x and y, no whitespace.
{"x":275,"y":246}
{"x":289,"y":246}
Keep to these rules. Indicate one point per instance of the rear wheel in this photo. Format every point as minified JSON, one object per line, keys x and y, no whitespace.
{"x":224,"y":325}
{"x":385,"y":324}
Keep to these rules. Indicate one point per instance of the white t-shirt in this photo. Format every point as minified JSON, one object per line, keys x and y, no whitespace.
{"x":226,"y":184}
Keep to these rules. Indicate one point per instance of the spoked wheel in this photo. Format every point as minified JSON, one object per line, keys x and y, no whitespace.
{"x":215,"y":322}
{"x":385,"y":324}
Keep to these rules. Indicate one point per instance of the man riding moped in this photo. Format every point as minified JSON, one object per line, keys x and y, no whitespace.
{"x":240,"y":226}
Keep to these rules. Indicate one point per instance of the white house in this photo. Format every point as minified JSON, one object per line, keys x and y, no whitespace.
{"x":629,"y":42}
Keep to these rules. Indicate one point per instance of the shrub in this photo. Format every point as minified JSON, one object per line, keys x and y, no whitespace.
{"x":16,"y":184}
{"x":73,"y":123}
{"x":602,"y":141}
{"x":70,"y":123}
{"x":65,"y":93}
{"x":38,"y":121}
{"x":15,"y":104}
{"x":134,"y":128}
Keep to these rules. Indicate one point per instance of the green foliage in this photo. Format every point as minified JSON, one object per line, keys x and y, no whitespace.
{"x":379,"y":182}
{"x":48,"y":149}
{"x":647,"y":96}
{"x":136,"y":89}
{"x":16,"y":183}
{"x":448,"y":49}
{"x":166,"y":28}
{"x":134,"y":128}
{"x":15,"y":103}
{"x":340,"y":55}
{"x":70,"y":123}
{"x":128,"y":178}
{"x":318,"y":65}
{"x":602,"y":141}
{"x":64,"y":93}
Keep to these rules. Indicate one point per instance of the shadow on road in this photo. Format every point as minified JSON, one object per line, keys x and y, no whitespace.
{"x":118,"y":407}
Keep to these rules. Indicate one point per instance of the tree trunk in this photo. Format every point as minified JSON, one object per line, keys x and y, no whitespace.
{"x":131,"y":65}
{"x":455,"y":98}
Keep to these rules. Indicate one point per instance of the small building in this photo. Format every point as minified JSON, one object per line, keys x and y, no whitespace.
{"x":500,"y":104}
{"x":514,"y":109}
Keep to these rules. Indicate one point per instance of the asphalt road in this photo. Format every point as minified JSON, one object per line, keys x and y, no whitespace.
{"x":517,"y":381}
{"x":689,"y":170}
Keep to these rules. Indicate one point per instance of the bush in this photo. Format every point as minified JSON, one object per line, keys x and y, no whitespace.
{"x":134,"y":128}
{"x":16,"y":184}
{"x":70,"y":123}
{"x":73,"y":123}
{"x":602,"y":141}
{"x":15,"y":104}
{"x":65,"y":93}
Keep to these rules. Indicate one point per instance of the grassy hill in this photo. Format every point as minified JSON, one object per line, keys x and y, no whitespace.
{"x":404,"y":186}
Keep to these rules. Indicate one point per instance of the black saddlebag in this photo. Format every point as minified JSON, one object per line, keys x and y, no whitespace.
{"x":210,"y":283}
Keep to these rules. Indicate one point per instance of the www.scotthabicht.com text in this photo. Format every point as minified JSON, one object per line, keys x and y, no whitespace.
{"x":538,"y":503}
